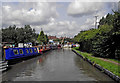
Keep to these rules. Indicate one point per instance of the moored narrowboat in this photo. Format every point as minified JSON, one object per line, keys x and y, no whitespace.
{"x":13,"y":53}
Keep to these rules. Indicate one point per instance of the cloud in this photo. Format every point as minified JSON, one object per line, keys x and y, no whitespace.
{"x":61,"y":28}
{"x":76,"y":9}
{"x":33,"y":14}
{"x":79,"y":9}
{"x":0,"y":15}
{"x":89,"y":24}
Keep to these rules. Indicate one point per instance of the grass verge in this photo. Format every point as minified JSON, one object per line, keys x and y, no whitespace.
{"x":107,"y":65}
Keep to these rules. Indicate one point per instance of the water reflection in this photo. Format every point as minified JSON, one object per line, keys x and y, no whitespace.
{"x":41,"y":60}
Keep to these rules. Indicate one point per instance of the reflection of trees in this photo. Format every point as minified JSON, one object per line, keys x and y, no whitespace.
{"x":80,"y":63}
{"x":42,"y":60}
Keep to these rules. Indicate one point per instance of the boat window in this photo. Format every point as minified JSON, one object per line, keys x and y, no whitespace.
{"x":35,"y":50}
{"x":31,"y":51}
{"x":15,"y":52}
{"x":27,"y":51}
{"x":20,"y":51}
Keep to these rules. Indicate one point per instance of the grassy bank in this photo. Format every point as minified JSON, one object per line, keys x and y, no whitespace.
{"x":107,"y":65}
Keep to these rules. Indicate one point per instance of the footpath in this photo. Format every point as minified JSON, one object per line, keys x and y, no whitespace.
{"x":110,"y":61}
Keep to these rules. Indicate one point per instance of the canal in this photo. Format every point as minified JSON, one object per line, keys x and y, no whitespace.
{"x":55,"y":65}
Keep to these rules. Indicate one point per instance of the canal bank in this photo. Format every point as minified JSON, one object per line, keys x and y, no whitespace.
{"x":56,"y":65}
{"x":107,"y":72}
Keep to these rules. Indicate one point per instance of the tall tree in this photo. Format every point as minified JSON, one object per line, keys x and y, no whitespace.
{"x":116,"y":34}
{"x":46,"y":39}
{"x":41,"y":37}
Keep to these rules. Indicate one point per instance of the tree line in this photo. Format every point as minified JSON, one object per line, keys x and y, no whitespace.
{"x":103,"y":41}
{"x":23,"y":35}
{"x":19,"y":35}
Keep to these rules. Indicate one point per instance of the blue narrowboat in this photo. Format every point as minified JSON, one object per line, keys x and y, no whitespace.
{"x":13,"y":53}
{"x":18,"y":53}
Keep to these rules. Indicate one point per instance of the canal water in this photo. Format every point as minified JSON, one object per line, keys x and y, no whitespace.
{"x":55,"y":65}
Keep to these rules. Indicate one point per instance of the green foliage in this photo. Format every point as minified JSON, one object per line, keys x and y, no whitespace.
{"x":116,"y":34}
{"x":77,"y":48}
{"x":107,"y":45}
{"x":103,"y":41}
{"x":90,"y":34}
{"x":108,"y":20}
{"x":42,"y":38}
{"x":58,"y":40}
{"x":17,"y":35}
{"x":69,"y":39}
{"x":88,"y":37}
{"x":46,"y":39}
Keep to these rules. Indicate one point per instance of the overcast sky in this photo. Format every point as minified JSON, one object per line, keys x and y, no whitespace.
{"x":55,"y":18}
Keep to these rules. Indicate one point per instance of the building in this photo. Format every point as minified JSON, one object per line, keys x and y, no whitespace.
{"x":52,"y":37}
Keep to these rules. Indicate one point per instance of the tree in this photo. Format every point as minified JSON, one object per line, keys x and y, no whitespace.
{"x":116,"y":33}
{"x":41,"y":38}
{"x":107,"y":44}
{"x":9,"y":34}
{"x":46,"y":39}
